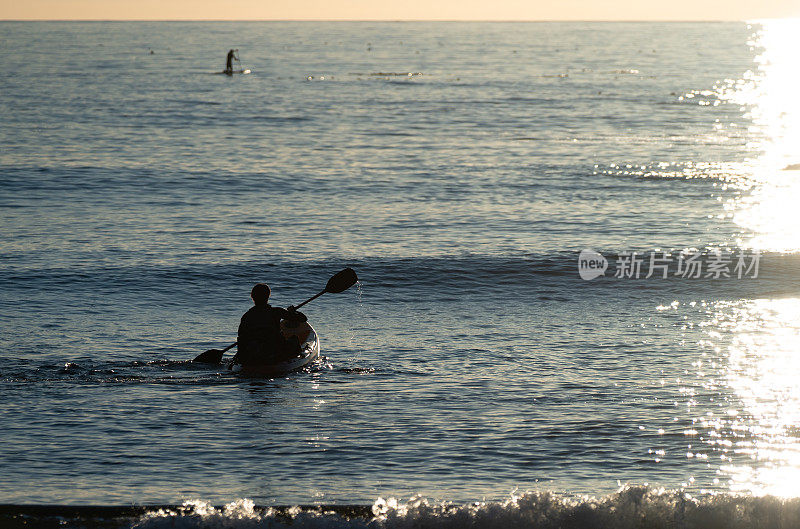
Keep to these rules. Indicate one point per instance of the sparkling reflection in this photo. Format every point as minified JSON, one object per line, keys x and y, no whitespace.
{"x":750,"y":420}
{"x":771,"y":97}
{"x":756,"y":434}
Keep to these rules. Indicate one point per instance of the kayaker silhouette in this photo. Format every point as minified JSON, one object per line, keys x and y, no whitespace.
{"x":260,"y":339}
{"x":229,"y":62}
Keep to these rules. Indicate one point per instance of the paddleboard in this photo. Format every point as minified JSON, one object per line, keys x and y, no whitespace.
{"x":309,"y":346}
{"x":223,"y":72}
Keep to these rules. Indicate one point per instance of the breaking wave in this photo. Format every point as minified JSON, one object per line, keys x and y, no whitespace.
{"x":631,"y":507}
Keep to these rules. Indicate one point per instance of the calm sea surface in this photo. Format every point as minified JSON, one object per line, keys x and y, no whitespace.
{"x":459,"y":168}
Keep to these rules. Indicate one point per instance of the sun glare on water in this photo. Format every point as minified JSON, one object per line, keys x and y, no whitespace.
{"x":752,"y":423}
{"x":771,"y":94}
{"x":762,"y":432}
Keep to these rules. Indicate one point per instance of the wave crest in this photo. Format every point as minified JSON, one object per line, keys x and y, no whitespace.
{"x":631,"y":507}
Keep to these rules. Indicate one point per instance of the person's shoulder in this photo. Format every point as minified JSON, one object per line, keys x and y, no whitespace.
{"x":250,"y":312}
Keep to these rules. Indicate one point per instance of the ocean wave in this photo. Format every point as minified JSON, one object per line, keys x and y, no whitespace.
{"x":444,"y":270}
{"x":632,"y":507}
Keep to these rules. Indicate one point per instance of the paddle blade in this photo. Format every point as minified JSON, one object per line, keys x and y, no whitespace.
{"x":212,"y":356}
{"x":341,"y":281}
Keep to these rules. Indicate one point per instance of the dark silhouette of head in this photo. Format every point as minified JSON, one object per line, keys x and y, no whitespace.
{"x":260,"y":294}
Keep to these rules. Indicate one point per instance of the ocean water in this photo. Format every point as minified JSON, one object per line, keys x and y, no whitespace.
{"x":472,"y":378}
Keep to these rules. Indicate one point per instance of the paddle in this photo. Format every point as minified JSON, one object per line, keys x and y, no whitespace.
{"x":336,"y":284}
{"x":212,"y":356}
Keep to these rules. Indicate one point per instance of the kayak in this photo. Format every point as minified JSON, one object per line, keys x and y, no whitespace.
{"x":306,"y":336}
{"x":309,"y":351}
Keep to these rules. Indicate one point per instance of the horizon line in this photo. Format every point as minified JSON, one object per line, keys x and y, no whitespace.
{"x":391,"y":20}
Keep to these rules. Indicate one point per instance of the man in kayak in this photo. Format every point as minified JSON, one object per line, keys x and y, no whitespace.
{"x":229,"y":62}
{"x":260,"y":339}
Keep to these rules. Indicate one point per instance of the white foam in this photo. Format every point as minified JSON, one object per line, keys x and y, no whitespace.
{"x":631,"y":507}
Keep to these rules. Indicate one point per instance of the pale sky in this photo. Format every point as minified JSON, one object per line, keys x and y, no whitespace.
{"x":397,"y":9}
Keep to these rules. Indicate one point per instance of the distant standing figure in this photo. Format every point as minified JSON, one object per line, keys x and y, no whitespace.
{"x":229,"y":62}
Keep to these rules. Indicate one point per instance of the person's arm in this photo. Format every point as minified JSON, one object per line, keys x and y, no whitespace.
{"x":293,"y":314}
{"x":239,"y":338}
